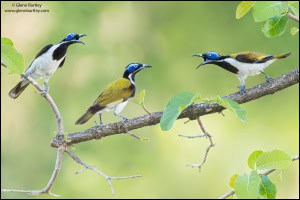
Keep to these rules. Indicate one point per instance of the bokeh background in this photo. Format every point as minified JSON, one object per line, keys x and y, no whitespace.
{"x":165,"y":35}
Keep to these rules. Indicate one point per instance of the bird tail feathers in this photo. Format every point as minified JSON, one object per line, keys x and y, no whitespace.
{"x":279,"y":56}
{"x":18,"y":89}
{"x":84,"y":118}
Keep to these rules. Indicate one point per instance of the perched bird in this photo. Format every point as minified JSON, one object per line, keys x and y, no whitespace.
{"x":242,"y":64}
{"x":45,"y":63}
{"x":115,"y":96}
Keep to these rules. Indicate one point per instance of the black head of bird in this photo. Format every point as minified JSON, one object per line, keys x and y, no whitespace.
{"x":45,"y":63}
{"x":115,"y":96}
{"x":242,"y":64}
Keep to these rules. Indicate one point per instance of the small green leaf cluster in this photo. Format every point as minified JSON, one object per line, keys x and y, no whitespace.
{"x":255,"y":185}
{"x":141,"y":100}
{"x":184,"y":99}
{"x":10,"y":57}
{"x":273,"y":14}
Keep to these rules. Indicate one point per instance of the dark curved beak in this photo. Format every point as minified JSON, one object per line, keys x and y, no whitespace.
{"x":143,"y":67}
{"x":146,"y":66}
{"x":198,"y":55}
{"x":201,"y":56}
{"x":78,"y":41}
{"x":203,"y":63}
{"x":81,"y":35}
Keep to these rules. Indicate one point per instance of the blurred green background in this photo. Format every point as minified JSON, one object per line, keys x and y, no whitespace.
{"x":164,"y":35}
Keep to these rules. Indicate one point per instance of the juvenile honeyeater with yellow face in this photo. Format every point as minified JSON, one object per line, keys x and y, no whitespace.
{"x":45,"y":63}
{"x":115,"y":96}
{"x":242,"y":64}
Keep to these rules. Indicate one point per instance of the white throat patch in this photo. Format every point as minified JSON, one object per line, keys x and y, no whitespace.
{"x":130,"y":78}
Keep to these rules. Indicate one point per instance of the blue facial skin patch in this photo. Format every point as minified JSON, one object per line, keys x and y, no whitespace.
{"x":212,"y":55}
{"x":71,"y":36}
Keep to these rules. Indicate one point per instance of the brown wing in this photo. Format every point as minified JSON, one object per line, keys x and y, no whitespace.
{"x":117,"y":91}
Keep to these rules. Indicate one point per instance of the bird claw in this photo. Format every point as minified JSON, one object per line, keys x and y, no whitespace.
{"x":124,"y":120}
{"x":101,"y":125}
{"x":242,"y":89}
{"x":43,"y":92}
{"x":268,"y":79}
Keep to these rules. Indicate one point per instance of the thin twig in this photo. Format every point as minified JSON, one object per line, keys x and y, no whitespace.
{"x":30,"y":192}
{"x":231,"y":192}
{"x":207,"y":135}
{"x":107,"y":177}
{"x":59,"y":121}
{"x":293,"y":17}
{"x":134,"y":135}
{"x":146,"y":110}
{"x":60,"y":150}
{"x":256,"y":92}
{"x":187,"y":121}
{"x":192,"y":136}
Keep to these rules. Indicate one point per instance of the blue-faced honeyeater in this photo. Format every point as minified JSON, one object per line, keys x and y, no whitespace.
{"x":45,"y":63}
{"x":242,"y":64}
{"x":115,"y":96}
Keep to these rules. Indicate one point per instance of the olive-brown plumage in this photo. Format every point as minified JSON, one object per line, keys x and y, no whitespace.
{"x":115,"y":96}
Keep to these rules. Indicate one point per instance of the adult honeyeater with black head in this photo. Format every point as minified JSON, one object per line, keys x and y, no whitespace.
{"x":242,"y":64}
{"x":45,"y":63}
{"x":115,"y":96}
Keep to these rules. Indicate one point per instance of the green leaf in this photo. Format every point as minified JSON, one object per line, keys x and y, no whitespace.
{"x":243,"y":8}
{"x":273,"y":160}
{"x":197,"y":98}
{"x":182,"y":107}
{"x":247,"y":187}
{"x":142,"y":96}
{"x":277,"y":176}
{"x":232,"y":180}
{"x":252,"y":158}
{"x":267,"y":188}
{"x":174,"y":107}
{"x":233,"y":106}
{"x":263,"y":10}
{"x":295,"y":8}
{"x":6,"y":41}
{"x":12,"y":59}
{"x":294,"y":31}
{"x":275,"y":26}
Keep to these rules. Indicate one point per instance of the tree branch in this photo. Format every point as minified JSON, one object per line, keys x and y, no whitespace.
{"x":60,"y":150}
{"x":59,"y":121}
{"x":293,"y":17}
{"x":231,"y":192}
{"x":207,"y":135}
{"x":192,"y":112}
{"x":107,"y":177}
